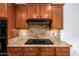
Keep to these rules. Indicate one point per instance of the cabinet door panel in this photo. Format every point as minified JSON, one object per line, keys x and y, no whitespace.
{"x":12,"y":32}
{"x":62,"y":54}
{"x":31,"y":54}
{"x":11,"y":54}
{"x":62,"y":51}
{"x":11,"y":15}
{"x":10,"y":50}
{"x":21,"y":16}
{"x":19,"y":50}
{"x":32,"y":49}
{"x":33,"y":10}
{"x":18,"y":54}
{"x":47,"y":49}
{"x":57,"y":17}
{"x":15,"y":51}
{"x":45,"y":10}
{"x":47,"y":53}
{"x":3,"y":10}
{"x":15,"y":54}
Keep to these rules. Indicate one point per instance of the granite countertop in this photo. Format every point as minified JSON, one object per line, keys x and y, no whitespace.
{"x":20,"y":43}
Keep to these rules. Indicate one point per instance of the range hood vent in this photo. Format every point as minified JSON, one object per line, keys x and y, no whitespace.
{"x":38,"y":21}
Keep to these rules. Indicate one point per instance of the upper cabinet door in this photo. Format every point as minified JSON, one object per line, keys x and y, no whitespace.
{"x":21,"y":16}
{"x":3,"y":10}
{"x":45,"y":10}
{"x":11,"y":15}
{"x":57,"y":16}
{"x":33,"y":10}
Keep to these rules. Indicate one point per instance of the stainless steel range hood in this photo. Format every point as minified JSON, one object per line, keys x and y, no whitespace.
{"x":41,"y":21}
{"x":38,"y":21}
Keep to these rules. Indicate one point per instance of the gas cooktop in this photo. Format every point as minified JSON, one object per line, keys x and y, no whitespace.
{"x":39,"y":41}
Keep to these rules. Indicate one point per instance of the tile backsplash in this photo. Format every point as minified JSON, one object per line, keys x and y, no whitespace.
{"x":40,"y":32}
{"x":37,"y":32}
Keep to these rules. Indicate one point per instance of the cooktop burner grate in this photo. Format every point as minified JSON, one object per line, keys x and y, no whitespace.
{"x":39,"y":41}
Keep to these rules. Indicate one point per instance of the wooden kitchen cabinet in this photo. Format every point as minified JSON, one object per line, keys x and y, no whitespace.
{"x":52,"y":11}
{"x":12,"y":31}
{"x":31,"y":54}
{"x":47,"y":54}
{"x":11,"y":15}
{"x":38,"y":51}
{"x":39,"y":10}
{"x":52,"y":49}
{"x":57,"y":16}
{"x":18,"y":51}
{"x":17,"y":14}
{"x":22,"y":51}
{"x":31,"y":51}
{"x":3,"y":10}
{"x":62,"y":51}
{"x":13,"y":51}
{"x":33,"y":10}
{"x":21,"y":16}
{"x":45,"y":11}
{"x":47,"y":51}
{"x":15,"y":54}
{"x":7,"y":10}
{"x":10,"y":50}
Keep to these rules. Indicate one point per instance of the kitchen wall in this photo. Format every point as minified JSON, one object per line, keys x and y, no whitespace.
{"x":71,"y":26}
